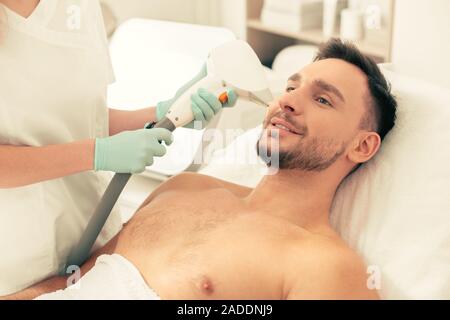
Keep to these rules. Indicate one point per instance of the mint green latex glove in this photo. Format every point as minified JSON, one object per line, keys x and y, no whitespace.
{"x":164,"y":106}
{"x":130,"y":151}
{"x":204,"y":104}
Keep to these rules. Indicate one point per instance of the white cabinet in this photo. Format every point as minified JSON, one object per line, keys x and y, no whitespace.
{"x":268,"y":40}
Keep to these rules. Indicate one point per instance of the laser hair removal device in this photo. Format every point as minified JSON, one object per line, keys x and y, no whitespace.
{"x":232,"y":65}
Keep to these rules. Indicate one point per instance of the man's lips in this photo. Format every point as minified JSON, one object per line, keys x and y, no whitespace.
{"x":283,"y":125}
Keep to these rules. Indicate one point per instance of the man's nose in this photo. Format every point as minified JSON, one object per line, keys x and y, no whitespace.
{"x":288,"y":105}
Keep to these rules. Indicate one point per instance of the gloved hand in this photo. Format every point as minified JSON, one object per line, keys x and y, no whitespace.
{"x":130,"y":151}
{"x":203,"y":103}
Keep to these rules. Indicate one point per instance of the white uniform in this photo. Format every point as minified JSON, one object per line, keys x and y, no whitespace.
{"x":54,"y":71}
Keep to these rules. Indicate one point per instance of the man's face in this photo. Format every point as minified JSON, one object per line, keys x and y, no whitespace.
{"x":318,"y":115}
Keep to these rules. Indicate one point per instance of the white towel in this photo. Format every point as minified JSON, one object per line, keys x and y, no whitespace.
{"x":112,"y":278}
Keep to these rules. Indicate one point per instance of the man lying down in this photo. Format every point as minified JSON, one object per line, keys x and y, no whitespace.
{"x":197,"y":237}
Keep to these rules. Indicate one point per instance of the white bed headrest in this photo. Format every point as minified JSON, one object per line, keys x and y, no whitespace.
{"x":395,"y":210}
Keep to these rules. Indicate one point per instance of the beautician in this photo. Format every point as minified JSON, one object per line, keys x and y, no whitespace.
{"x":57,"y":134}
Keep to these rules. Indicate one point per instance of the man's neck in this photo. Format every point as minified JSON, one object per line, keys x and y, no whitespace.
{"x":304,"y":198}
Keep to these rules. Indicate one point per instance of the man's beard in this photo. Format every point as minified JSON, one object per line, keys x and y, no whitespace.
{"x":308,"y":154}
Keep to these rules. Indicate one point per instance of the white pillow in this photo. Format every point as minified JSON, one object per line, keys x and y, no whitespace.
{"x":395,"y":210}
{"x":292,"y":59}
{"x":238,"y":162}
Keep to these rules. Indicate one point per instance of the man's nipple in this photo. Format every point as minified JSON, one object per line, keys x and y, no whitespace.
{"x":206,"y":285}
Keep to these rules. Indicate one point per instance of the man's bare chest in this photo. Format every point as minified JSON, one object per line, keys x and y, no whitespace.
{"x":210,"y":238}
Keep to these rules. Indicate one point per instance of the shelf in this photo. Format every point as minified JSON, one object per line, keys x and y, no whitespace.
{"x":316,"y":37}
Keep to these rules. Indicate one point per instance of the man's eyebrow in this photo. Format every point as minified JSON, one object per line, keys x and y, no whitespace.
{"x":295,"y":77}
{"x":330,"y":88}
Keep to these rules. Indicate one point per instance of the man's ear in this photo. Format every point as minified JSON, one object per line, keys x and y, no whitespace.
{"x":365,"y":146}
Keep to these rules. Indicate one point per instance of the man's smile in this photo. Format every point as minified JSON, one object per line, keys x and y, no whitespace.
{"x":283,"y":126}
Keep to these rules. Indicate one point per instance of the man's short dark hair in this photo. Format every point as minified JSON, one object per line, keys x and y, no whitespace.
{"x":381,"y":112}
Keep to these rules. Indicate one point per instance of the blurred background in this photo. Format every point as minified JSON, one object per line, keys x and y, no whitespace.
{"x":413,"y":34}
{"x":157,"y":45}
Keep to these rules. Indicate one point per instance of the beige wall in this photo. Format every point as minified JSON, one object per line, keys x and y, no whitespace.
{"x":421,"y":45}
{"x":420,"y":40}
{"x":191,"y":11}
{"x":233,"y":16}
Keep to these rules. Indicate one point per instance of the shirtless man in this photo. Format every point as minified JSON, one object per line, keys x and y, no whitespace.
{"x":197,"y":237}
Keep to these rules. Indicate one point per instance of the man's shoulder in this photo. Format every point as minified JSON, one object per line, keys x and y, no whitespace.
{"x":324,"y":251}
{"x":189,"y":180}
{"x":326,"y":268}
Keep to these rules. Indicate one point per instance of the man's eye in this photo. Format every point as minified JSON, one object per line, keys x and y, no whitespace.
{"x":289,"y":89}
{"x":324,"y":101}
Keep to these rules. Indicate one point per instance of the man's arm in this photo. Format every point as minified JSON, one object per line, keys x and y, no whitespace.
{"x":60,"y":282}
{"x":45,"y":286}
